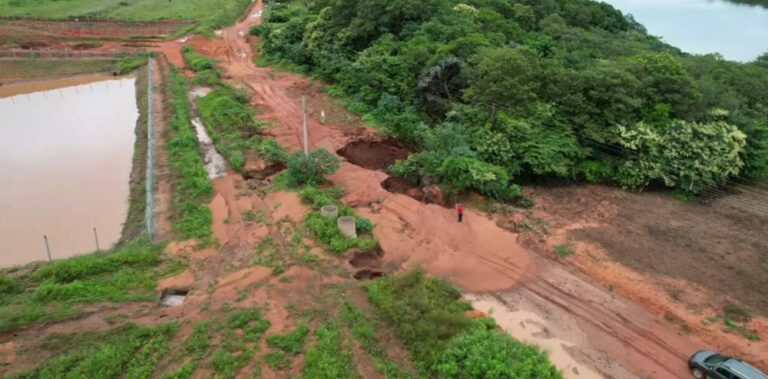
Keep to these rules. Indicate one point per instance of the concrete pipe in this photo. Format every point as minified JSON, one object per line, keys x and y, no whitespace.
{"x":347,"y":225}
{"x":329,"y":211}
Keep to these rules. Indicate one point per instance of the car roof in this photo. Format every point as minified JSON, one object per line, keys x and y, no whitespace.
{"x":744,"y":369}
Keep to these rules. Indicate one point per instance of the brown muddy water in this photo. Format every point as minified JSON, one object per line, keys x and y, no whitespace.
{"x":65,"y":162}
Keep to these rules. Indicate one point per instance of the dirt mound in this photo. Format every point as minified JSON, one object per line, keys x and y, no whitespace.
{"x":373,"y":154}
{"x":429,"y":195}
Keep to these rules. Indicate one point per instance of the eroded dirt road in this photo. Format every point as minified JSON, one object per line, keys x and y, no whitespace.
{"x":589,"y":331}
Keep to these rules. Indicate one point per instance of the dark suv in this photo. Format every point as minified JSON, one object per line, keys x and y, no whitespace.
{"x":710,"y":365}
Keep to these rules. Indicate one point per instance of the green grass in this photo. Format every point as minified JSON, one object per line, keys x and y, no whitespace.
{"x":195,"y":61}
{"x":564,"y":249}
{"x":129,"y":351}
{"x":229,"y":119}
{"x":430,"y":319}
{"x":268,"y":254}
{"x":363,"y":329}
{"x":325,"y":229}
{"x":52,"y":292}
{"x":211,"y":13}
{"x":135,"y":220}
{"x":38,"y":68}
{"x":290,"y":342}
{"x":328,"y":358}
{"x":192,"y":189}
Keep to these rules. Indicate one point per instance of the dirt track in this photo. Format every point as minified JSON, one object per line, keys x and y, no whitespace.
{"x":601,"y":334}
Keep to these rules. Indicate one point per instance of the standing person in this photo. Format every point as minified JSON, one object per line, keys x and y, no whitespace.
{"x":322,"y":116}
{"x":460,"y":211}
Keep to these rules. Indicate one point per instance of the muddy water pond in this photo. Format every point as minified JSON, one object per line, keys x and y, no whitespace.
{"x":65,"y":163}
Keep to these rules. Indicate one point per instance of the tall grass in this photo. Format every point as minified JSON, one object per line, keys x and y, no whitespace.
{"x":51,"y":292}
{"x":192,"y":189}
{"x":229,"y":119}
{"x":129,"y":351}
{"x":430,"y":319}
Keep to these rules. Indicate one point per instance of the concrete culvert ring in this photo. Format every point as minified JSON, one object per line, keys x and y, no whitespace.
{"x":373,"y":154}
{"x":172,"y":297}
{"x":367,"y":274}
{"x":329,"y":211}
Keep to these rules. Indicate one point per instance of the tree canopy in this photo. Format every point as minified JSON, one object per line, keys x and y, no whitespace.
{"x":542,"y":90}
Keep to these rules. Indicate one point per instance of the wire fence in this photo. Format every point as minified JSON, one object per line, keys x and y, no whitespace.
{"x":150,"y":155}
{"x":67,"y":53}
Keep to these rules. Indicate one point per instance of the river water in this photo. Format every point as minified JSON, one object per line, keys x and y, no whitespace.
{"x":65,"y":162}
{"x":738,"y":32}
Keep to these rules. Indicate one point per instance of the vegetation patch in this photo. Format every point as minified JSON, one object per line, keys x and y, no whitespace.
{"x":328,"y":358}
{"x":493,"y":94}
{"x":129,"y":350}
{"x":326,"y":229}
{"x":443,"y":341}
{"x":229,"y":119}
{"x":363,"y":329}
{"x":210,"y":14}
{"x":191,"y":190}
{"x":51,"y":292}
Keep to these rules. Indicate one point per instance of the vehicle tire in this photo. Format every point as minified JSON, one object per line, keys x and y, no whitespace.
{"x":697,"y":373}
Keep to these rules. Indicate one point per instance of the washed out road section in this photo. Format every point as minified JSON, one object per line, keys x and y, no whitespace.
{"x":65,"y":161}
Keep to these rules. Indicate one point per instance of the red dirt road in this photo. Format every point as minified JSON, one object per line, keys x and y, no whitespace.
{"x":599,"y":334}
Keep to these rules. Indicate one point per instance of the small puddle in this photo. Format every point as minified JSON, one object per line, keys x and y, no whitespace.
{"x":215,"y":165}
{"x":373,"y":154}
{"x":173,"y":297}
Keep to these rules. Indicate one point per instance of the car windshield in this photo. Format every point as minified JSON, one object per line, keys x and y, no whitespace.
{"x":715,"y":359}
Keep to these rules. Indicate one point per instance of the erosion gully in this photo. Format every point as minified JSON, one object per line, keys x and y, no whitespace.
{"x":589,"y":331}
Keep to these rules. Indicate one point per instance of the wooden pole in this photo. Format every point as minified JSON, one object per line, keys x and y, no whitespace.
{"x":47,"y":248}
{"x":304,"y":114}
{"x":96,"y":237}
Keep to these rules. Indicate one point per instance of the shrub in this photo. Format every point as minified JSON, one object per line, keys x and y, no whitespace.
{"x":327,"y":358}
{"x":9,"y":284}
{"x":195,"y":61}
{"x":484,"y":353}
{"x":271,"y":151}
{"x":563,"y":249}
{"x":236,"y":160}
{"x":363,"y":225}
{"x":311,"y":169}
{"x":425,"y":312}
{"x":684,"y":155}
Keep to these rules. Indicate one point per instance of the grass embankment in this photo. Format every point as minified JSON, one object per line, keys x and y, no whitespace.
{"x":43,"y":68}
{"x":209,"y":14}
{"x":191,"y":189}
{"x":430,"y":319}
{"x":134,"y":225}
{"x":58,"y":290}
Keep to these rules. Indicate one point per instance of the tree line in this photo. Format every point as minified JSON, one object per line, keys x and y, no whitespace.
{"x":498,"y":91}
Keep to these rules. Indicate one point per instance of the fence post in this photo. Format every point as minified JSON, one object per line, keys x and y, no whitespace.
{"x":47,"y":248}
{"x":96,"y":237}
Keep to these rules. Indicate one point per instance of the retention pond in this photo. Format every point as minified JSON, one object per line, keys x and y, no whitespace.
{"x":65,"y":163}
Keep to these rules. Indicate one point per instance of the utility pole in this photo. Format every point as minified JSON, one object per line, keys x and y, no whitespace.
{"x":47,"y":248}
{"x":304,"y":113}
{"x":96,"y":237}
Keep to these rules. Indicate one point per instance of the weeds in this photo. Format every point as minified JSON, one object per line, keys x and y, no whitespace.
{"x":365,"y":333}
{"x":429,"y":317}
{"x":195,"y":61}
{"x":277,"y":360}
{"x":290,"y":342}
{"x":229,"y":119}
{"x":128,"y":64}
{"x":192,"y":189}
{"x":564,"y":249}
{"x":269,"y":254}
{"x":125,"y":274}
{"x":129,"y":350}
{"x":327,"y":358}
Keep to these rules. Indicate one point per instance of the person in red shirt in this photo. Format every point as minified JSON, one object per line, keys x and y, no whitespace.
{"x":460,"y":211}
